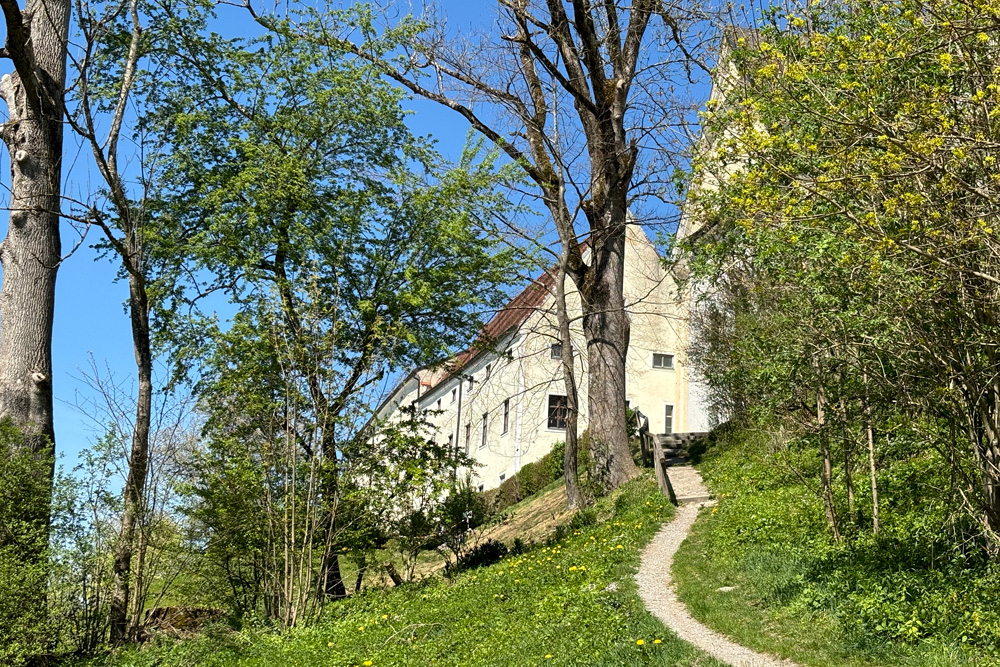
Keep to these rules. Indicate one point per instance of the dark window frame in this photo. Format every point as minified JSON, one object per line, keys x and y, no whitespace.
{"x":669,"y":365}
{"x":556,"y":412}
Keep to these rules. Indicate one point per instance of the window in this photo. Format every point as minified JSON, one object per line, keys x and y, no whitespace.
{"x":555,"y":351}
{"x":663,"y":360}
{"x":557,"y":411}
{"x":454,"y":395}
{"x":439,"y":404}
{"x":451,"y":441}
{"x":481,"y":487}
{"x":506,"y":416}
{"x":668,"y":419}
{"x":470,"y":383}
{"x":503,"y":477}
{"x":489,"y":369}
{"x":468,"y":438}
{"x":486,"y":421}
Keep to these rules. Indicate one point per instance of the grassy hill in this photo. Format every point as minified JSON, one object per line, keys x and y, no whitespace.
{"x":571,"y":601}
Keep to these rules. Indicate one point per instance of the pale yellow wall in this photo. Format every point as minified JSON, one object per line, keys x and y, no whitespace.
{"x":531,"y":375}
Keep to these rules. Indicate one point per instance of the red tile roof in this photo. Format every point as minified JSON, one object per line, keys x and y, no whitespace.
{"x":511,"y":316}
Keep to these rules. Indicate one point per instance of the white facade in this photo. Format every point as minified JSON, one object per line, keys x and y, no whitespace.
{"x":501,"y":405}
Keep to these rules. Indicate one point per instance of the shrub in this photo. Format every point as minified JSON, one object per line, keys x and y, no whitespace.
{"x":24,"y":501}
{"x":583,"y":518}
{"x":529,"y":480}
{"x":486,"y":553}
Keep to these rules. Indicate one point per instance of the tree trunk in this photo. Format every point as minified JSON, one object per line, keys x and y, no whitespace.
{"x":138,"y":464}
{"x":574,"y":499}
{"x":871,"y":472}
{"x":848,"y":447}
{"x":606,"y":330}
{"x":870,"y":433}
{"x":362,"y":568}
{"x":826,"y":470}
{"x":36,"y":43}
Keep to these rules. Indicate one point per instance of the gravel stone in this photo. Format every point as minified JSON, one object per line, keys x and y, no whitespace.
{"x":657,"y":591}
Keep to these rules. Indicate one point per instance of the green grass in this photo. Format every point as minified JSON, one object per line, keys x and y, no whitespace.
{"x":572,"y":602}
{"x":766,"y":538}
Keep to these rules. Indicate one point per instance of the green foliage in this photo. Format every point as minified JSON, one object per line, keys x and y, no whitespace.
{"x":554,"y":601}
{"x":25,"y":632}
{"x":481,"y":555}
{"x":529,"y":480}
{"x":909,"y":595}
{"x":348,"y":249}
{"x":849,"y":253}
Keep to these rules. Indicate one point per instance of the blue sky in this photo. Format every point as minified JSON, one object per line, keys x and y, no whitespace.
{"x":91,"y":321}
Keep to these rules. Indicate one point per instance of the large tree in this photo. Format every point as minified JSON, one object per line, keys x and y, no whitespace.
{"x":348,"y":248}
{"x":30,"y":254}
{"x":580,"y":96}
{"x":854,"y":149}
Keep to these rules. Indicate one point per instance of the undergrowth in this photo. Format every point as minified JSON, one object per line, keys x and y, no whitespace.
{"x":910,"y":595}
{"x":572,"y":601}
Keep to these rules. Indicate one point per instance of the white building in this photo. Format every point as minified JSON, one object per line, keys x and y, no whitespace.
{"x":505,"y":406}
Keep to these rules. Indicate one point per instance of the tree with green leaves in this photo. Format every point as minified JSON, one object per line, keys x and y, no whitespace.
{"x":581,"y":97}
{"x":347,"y":247}
{"x":848,"y":169}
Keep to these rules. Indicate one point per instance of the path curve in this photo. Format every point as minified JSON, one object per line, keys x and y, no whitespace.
{"x":656,"y":585}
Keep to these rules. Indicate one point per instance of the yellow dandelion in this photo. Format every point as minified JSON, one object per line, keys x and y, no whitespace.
{"x":639,"y":642}
{"x":548,"y":656}
{"x":367,"y":663}
{"x":657,"y":641}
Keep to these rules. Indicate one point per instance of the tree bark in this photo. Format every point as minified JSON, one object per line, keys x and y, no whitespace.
{"x":138,"y":464}
{"x":30,"y":254}
{"x":606,"y":329}
{"x":848,"y":447}
{"x":871,"y":473}
{"x":826,"y":469}
{"x":574,"y":499}
{"x":870,"y":433}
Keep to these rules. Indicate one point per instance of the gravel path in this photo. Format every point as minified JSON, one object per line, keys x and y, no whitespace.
{"x":656,"y":588}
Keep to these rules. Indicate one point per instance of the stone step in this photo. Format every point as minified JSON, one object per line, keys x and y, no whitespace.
{"x":675,"y":451}
{"x":686,"y":485}
{"x":679,"y":439}
{"x":674,"y":460}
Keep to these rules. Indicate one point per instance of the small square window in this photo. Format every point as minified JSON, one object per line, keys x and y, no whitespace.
{"x":481,"y":487}
{"x":663,"y":360}
{"x":555,"y":351}
{"x":557,"y":411}
{"x":502,"y":478}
